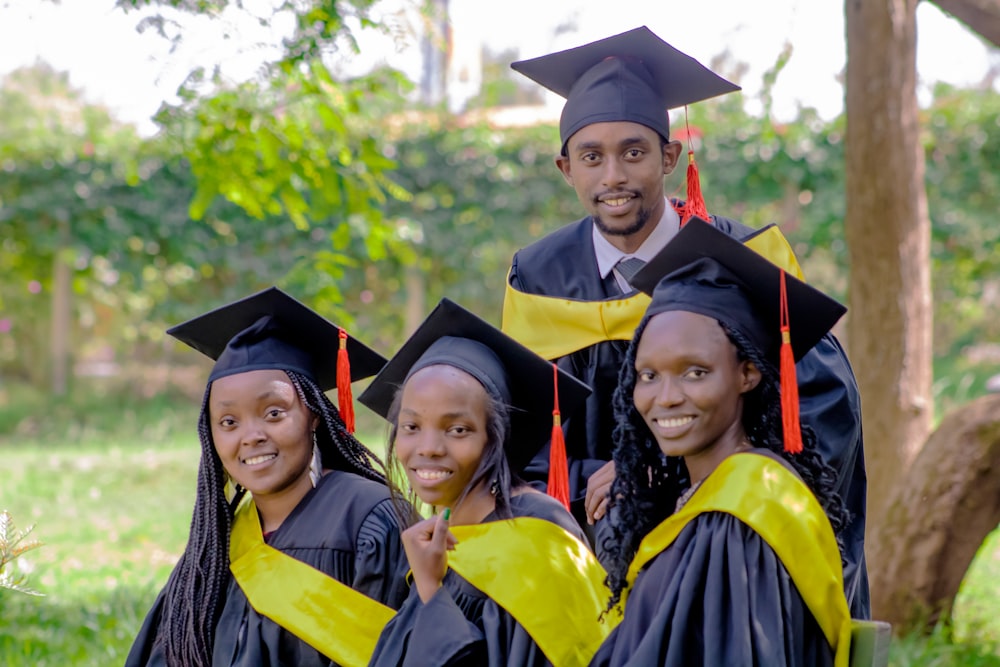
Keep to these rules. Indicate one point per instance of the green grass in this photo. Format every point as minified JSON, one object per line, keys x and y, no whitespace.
{"x":109,"y":483}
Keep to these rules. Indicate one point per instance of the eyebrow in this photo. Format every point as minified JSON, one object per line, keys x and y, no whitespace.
{"x":266,"y":394}
{"x":448,"y":415}
{"x":624,"y":143}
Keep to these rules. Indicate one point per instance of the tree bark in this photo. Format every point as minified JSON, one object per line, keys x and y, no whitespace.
{"x":888,"y":237}
{"x":62,"y":305}
{"x":938,"y":518}
{"x":980,"y":16}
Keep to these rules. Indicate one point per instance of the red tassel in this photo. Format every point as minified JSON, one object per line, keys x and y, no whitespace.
{"x":695,"y":205}
{"x":558,"y":486}
{"x":344,"y":398}
{"x":789,"y":381}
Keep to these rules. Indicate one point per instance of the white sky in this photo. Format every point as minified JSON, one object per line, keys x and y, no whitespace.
{"x":132,"y":73}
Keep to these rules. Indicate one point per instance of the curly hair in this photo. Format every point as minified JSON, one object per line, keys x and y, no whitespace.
{"x":647,"y":483}
{"x":195,"y":592}
{"x":493,"y":466}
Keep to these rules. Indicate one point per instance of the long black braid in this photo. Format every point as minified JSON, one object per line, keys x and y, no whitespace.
{"x":493,"y":466}
{"x":195,"y":592}
{"x":647,"y":483}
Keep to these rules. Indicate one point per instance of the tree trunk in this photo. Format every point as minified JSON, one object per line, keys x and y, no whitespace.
{"x":888,"y":237}
{"x":416,"y":299}
{"x":62,"y":304}
{"x":937,"y":519}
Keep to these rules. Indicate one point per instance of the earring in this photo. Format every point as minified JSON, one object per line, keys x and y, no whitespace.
{"x":494,"y":487}
{"x":316,"y":465}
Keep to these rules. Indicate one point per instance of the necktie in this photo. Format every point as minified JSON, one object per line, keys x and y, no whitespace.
{"x":628,"y":267}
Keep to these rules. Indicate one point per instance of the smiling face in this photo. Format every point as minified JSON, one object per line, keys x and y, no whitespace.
{"x":617,"y":170}
{"x":441,"y":432}
{"x":689,"y":389}
{"x":263,"y":433}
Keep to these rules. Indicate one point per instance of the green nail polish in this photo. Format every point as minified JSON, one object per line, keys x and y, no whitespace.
{"x":447,"y":513}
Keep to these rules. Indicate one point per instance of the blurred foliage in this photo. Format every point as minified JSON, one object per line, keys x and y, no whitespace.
{"x":462,"y":194}
{"x":288,"y":142}
{"x":479,"y":193}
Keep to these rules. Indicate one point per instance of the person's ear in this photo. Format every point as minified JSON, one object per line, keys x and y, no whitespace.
{"x":750,"y":377}
{"x":563,"y":163}
{"x":671,"y":156}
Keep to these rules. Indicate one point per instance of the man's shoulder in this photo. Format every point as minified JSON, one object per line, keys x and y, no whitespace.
{"x":734,"y":228}
{"x":556,"y":264}
{"x":573,"y":236}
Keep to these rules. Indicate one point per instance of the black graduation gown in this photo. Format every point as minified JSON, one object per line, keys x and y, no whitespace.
{"x":563,"y":264}
{"x":346,"y":528}
{"x":460,"y":625}
{"x":718,"y":595}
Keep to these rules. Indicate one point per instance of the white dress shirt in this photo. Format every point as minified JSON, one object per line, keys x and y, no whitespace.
{"x":608,"y":255}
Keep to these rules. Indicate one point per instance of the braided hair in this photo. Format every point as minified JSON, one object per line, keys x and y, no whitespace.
{"x":647,"y":484}
{"x":493,"y":466}
{"x":195,"y":592}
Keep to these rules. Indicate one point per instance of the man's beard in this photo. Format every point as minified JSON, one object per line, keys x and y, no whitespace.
{"x":640,"y":222}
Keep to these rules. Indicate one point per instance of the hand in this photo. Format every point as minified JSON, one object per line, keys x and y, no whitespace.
{"x":426,"y":544}
{"x":599,"y":492}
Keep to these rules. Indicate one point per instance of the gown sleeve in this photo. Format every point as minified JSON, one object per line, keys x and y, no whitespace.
{"x":461,"y":625}
{"x":458,"y":627}
{"x":718,"y":595}
{"x":830,"y":404}
{"x":380,"y":565}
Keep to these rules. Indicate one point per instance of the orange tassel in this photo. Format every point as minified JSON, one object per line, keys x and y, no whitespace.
{"x":695,"y":205}
{"x":789,"y":381}
{"x":558,"y":486}
{"x":344,"y":398}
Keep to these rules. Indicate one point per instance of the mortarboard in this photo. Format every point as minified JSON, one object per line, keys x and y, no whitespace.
{"x":273,"y":330}
{"x":535,"y":390}
{"x":633,"y":76}
{"x":705,"y":271}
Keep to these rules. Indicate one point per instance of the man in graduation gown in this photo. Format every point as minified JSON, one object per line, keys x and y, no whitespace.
{"x":568,"y":296}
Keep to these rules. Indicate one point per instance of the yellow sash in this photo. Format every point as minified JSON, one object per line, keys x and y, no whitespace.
{"x":545,"y":578}
{"x":336,"y":620}
{"x":779,"y":507}
{"x":553,"y":327}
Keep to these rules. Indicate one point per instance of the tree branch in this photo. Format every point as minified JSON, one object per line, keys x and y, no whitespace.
{"x":980,"y":16}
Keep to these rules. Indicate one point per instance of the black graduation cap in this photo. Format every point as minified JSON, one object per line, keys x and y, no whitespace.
{"x":706,"y":271}
{"x":273,"y":330}
{"x":633,"y":76}
{"x":454,"y":336}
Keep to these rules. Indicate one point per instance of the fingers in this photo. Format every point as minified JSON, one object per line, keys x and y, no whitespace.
{"x":599,"y":511}
{"x":442,"y":537}
{"x":598,"y":489}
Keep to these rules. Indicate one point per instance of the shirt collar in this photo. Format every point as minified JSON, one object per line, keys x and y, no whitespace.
{"x":608,"y":255}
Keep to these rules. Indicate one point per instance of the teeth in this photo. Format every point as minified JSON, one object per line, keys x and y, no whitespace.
{"x":253,"y":460}
{"x":621,"y":201}
{"x":431,"y":474}
{"x":673,"y":423}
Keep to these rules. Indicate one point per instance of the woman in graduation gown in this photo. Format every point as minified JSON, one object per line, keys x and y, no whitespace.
{"x":725,"y":525}
{"x":294,"y":555}
{"x":502,"y":574}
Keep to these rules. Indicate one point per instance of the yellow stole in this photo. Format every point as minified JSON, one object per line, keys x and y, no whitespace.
{"x":545,"y":578}
{"x":553,"y":327}
{"x":779,"y":507}
{"x":336,"y":620}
